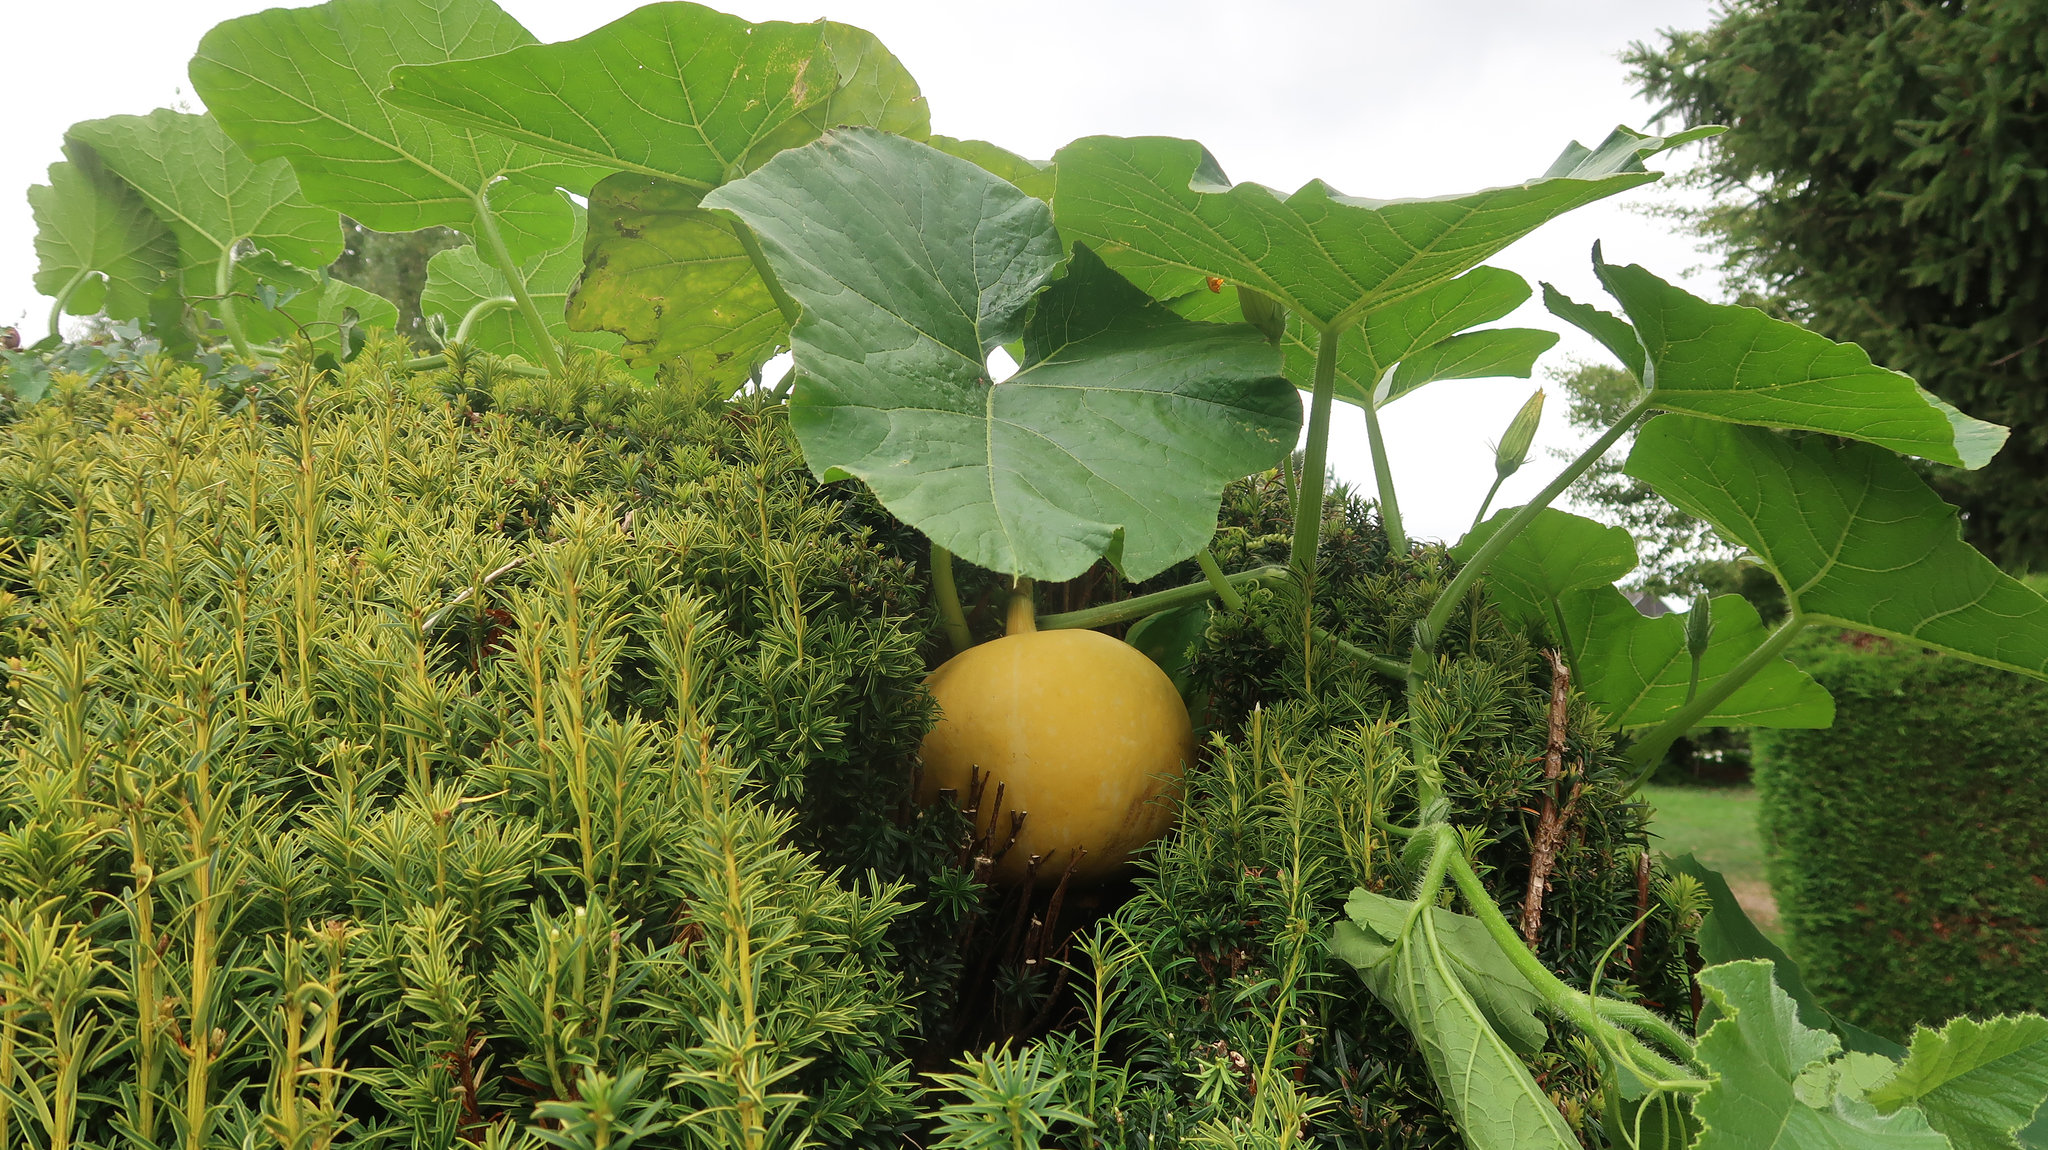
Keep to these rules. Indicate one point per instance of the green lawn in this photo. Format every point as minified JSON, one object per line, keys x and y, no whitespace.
{"x":1718,"y":824}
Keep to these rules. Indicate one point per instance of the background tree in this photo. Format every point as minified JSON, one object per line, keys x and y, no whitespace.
{"x":1888,"y":184}
{"x":1680,"y":555}
{"x":394,"y":265}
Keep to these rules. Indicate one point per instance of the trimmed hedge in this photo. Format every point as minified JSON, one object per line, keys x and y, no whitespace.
{"x":1909,"y":843}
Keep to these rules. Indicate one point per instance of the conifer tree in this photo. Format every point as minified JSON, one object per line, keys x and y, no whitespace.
{"x":1884,"y":183}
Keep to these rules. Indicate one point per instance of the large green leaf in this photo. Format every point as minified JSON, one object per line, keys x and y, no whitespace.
{"x":675,"y":282}
{"x":304,"y":84}
{"x":1033,"y":176}
{"x":1734,"y":363}
{"x":1488,"y":1089}
{"x":216,"y":201}
{"x":1115,"y":439}
{"x":1638,"y":670}
{"x":1854,"y":535}
{"x":1484,"y":354}
{"x":1977,"y":1082}
{"x":211,"y":194}
{"x":1780,"y":1085}
{"x":1558,"y":552}
{"x":1418,"y":338}
{"x":1510,"y":1004}
{"x":674,"y":90}
{"x":1559,"y":575}
{"x":677,"y":99}
{"x":460,"y":279}
{"x":95,"y":232}
{"x":1161,"y":212}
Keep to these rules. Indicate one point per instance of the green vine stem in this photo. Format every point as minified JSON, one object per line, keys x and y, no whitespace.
{"x":551,"y":356}
{"x":483,"y":307}
{"x":1213,"y":572}
{"x":1561,"y":1000}
{"x":1128,"y":610}
{"x":751,"y":244}
{"x":1386,"y":665}
{"x":1644,"y":1021}
{"x":948,"y":594}
{"x":1433,"y":872}
{"x":1440,"y":612}
{"x":64,"y":297}
{"x":1383,"y":475}
{"x":1023,"y":615}
{"x":1308,"y":503}
{"x":440,"y":359}
{"x":1649,"y":750}
{"x":1498,"y":479}
{"x":223,"y":286}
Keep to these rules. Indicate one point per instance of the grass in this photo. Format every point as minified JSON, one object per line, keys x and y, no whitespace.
{"x":1718,"y":824}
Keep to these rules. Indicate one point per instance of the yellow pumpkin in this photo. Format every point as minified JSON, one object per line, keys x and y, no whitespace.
{"x":1085,"y":735}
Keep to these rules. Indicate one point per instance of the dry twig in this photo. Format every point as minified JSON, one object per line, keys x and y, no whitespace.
{"x":1552,"y":823}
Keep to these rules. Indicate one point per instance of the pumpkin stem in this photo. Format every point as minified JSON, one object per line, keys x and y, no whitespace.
{"x":1023,"y":618}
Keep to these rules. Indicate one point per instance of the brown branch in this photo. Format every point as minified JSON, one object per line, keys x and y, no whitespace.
{"x":1550,"y":825}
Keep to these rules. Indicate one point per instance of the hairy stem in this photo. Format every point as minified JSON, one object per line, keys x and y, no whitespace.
{"x":1383,"y":475}
{"x":1559,"y":999}
{"x":948,"y":595}
{"x":1440,"y":612}
{"x":551,"y":356}
{"x":1649,"y":749}
{"x":1550,"y":825}
{"x":1646,"y":1022}
{"x":1213,"y":571}
{"x":1126,"y":610}
{"x":1308,"y":502}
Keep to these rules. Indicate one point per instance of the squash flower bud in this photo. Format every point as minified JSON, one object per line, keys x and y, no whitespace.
{"x":1521,"y":434}
{"x":1699,"y":626}
{"x":1699,"y":632}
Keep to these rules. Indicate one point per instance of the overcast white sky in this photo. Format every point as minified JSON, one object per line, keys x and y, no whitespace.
{"x":1380,"y":98}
